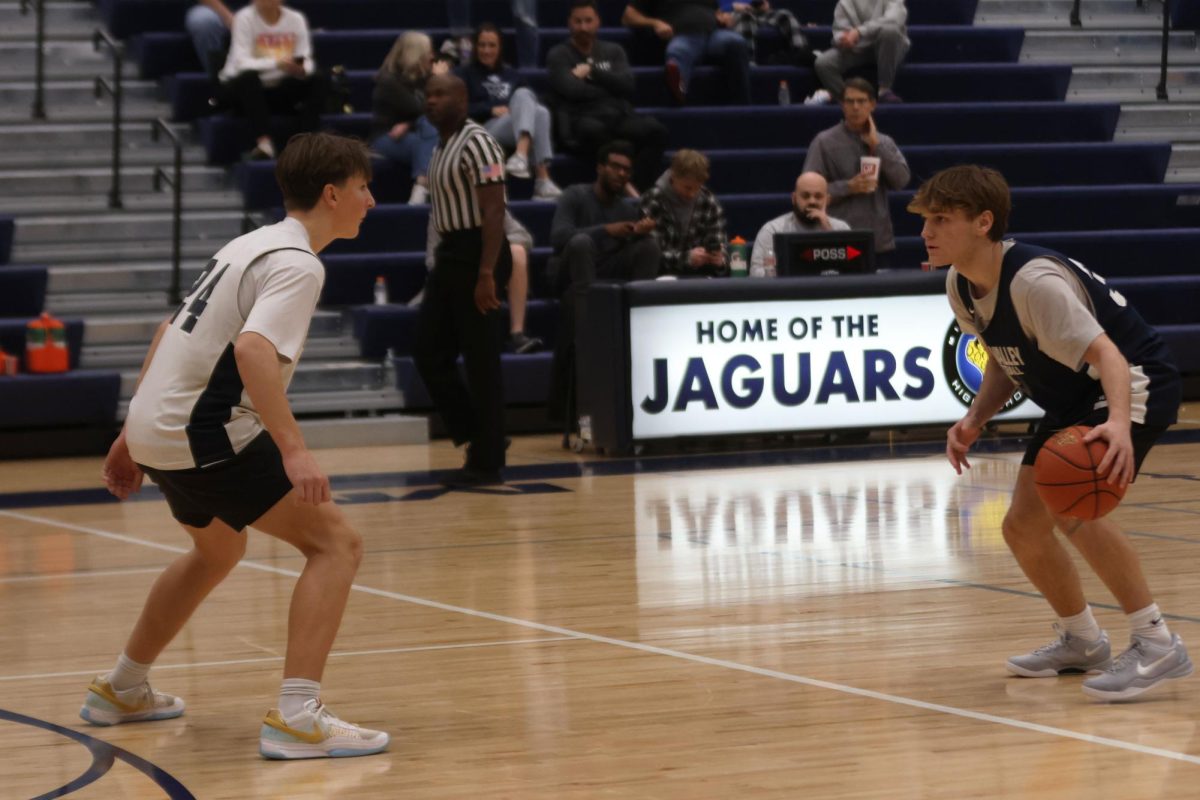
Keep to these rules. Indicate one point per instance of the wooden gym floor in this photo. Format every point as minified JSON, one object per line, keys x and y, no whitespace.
{"x":786,"y":625}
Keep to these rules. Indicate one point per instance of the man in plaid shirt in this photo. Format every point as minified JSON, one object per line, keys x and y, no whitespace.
{"x":689,"y":222}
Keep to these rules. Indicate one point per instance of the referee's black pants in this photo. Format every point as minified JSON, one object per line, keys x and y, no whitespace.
{"x":449,"y":324}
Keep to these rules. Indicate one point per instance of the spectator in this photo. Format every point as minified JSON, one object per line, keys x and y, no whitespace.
{"x":270,"y":68}
{"x":746,"y":18}
{"x":809,"y":203}
{"x":694,"y":29}
{"x":592,"y":85}
{"x":855,"y":194}
{"x":524,"y":17}
{"x":520,"y":245}
{"x":865,"y":32}
{"x":399,"y":130}
{"x":503,"y":103}
{"x":598,"y":231}
{"x":208,"y":23}
{"x":689,"y":223}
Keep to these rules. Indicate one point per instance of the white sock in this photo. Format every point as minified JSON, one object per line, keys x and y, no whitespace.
{"x":1148,"y":623}
{"x":294,"y":693}
{"x":127,"y":674}
{"x":1082,"y":626}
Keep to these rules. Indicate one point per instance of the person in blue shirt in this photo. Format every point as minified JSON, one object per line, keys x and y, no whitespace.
{"x":1075,"y":346}
{"x":501,"y":101}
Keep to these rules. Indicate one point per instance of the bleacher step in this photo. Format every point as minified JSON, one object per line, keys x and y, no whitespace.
{"x":1133,"y":84}
{"x":40,"y":134}
{"x":75,"y":92}
{"x":368,"y":401}
{"x":138,"y":328}
{"x":55,"y":254}
{"x":313,"y":377}
{"x":63,"y":60}
{"x":141,"y":113}
{"x":108,"y":302}
{"x":131,"y":355}
{"x":63,"y":19}
{"x":1177,"y":122}
{"x":1094,"y":14}
{"x":98,"y":203}
{"x":120,"y":228}
{"x":94,"y":180}
{"x":1185,"y":163}
{"x":372,"y":431}
{"x":90,"y":279}
{"x":1099,"y":47}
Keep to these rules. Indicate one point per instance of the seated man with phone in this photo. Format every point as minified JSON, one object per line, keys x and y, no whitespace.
{"x":270,"y":69}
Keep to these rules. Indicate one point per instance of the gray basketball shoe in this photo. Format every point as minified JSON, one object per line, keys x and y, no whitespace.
{"x":1143,"y":666}
{"x":1066,"y":655}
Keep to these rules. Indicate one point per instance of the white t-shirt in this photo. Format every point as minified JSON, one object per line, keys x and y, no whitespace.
{"x":1051,"y":304}
{"x":255,"y":45}
{"x":191,"y":408}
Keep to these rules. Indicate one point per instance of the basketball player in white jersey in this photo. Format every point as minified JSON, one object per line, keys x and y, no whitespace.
{"x":210,"y":424}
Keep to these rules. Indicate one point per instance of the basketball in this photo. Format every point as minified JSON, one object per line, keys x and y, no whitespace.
{"x":1066,"y":478}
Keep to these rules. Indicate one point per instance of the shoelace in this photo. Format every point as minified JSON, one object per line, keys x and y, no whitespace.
{"x":1134,"y":653}
{"x":1057,"y":643}
{"x":327,"y":721}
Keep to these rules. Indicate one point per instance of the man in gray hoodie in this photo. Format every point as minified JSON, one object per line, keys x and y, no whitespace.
{"x":865,"y":32}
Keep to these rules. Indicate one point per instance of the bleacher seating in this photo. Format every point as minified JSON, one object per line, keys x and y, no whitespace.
{"x":22,"y":291}
{"x":970,"y":100}
{"x":126,"y":18}
{"x":7,"y":228}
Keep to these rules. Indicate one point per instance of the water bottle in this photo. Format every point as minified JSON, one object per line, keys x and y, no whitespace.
{"x":769,"y":262}
{"x":785,"y":94}
{"x":381,"y":295}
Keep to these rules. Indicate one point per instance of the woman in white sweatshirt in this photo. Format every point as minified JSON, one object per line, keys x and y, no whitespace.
{"x":270,"y":70}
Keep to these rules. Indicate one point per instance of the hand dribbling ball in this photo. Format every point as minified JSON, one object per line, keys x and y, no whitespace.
{"x":1066,"y":479}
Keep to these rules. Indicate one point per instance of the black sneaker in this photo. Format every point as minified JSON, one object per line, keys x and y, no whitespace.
{"x":467,"y":477}
{"x":522,"y":344}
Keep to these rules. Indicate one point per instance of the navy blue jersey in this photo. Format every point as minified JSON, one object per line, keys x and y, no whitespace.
{"x":1068,"y":395}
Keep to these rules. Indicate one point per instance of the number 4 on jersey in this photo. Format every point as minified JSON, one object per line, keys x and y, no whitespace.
{"x":200,"y":301}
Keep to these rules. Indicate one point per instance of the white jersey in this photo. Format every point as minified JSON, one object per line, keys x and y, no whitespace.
{"x":191,"y":409}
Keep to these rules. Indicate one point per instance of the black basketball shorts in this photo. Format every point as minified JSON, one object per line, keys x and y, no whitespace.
{"x":237,"y":491}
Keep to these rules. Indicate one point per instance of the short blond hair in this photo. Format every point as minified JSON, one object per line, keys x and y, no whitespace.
{"x":690,"y":164}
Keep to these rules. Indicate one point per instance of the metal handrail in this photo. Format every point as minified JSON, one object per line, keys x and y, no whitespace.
{"x":175,"y":181}
{"x":1161,"y":91}
{"x":39,"y":59}
{"x":115,"y":89}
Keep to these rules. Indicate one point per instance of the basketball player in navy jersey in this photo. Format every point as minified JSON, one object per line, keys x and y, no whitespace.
{"x":1072,"y":344}
{"x":210,"y":424}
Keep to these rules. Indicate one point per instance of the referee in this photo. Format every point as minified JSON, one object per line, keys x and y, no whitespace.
{"x":460,"y":311}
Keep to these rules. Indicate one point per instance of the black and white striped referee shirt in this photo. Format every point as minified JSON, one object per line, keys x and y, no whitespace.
{"x":469,"y":158}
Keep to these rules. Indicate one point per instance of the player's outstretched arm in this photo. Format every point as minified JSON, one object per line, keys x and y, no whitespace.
{"x":994,"y":392}
{"x":1118,"y":462}
{"x":258,"y":365}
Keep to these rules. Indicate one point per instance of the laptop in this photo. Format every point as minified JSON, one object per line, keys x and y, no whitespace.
{"x":825,"y":253}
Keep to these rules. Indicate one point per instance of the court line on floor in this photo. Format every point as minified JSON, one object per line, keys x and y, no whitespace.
{"x":685,"y":656}
{"x":84,"y":573}
{"x":270,"y":659}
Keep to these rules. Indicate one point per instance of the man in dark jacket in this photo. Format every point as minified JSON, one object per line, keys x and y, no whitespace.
{"x":592,"y":87}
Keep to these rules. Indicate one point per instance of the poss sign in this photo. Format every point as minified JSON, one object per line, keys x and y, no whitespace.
{"x":799,"y":365}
